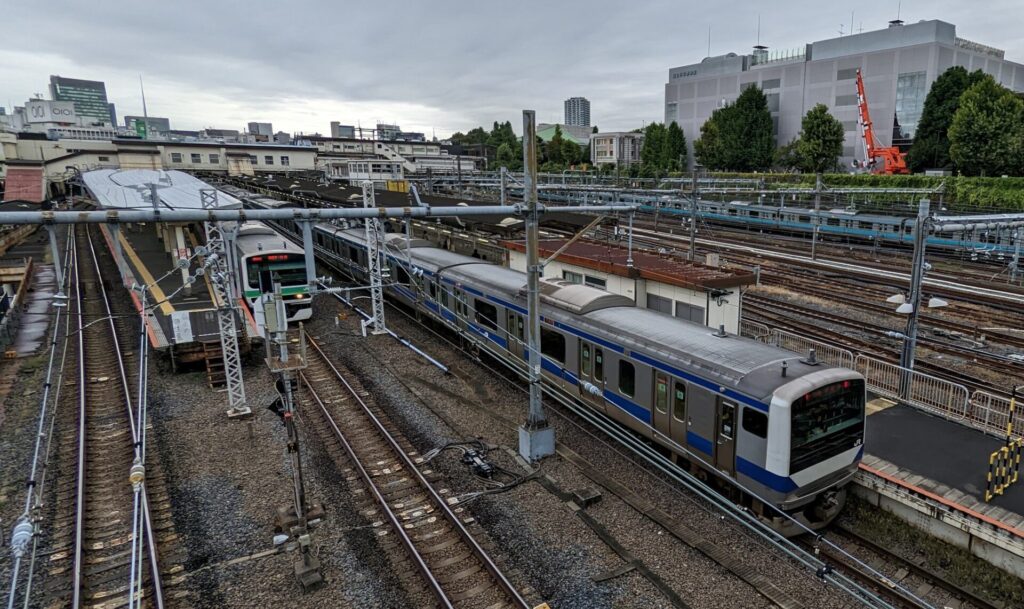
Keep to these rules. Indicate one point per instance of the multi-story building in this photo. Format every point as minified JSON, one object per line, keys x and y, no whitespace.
{"x":617,"y":147}
{"x":89,"y":97}
{"x":898,"y":65}
{"x":262,"y":129}
{"x":577,"y":111}
{"x":339,"y":130}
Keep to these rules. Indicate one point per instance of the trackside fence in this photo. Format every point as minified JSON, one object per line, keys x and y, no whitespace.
{"x":924,"y":391}
{"x":823,"y":352}
{"x":991,"y":414}
{"x":755,"y":330}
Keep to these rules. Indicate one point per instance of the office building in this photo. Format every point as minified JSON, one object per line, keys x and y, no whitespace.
{"x":89,"y":97}
{"x":152,"y":124}
{"x":620,"y":148}
{"x":898,"y":65}
{"x":577,"y":112}
{"x":394,"y":133}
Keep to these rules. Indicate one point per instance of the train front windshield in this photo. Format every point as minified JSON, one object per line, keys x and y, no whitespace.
{"x":826,"y":422}
{"x":289,"y":269}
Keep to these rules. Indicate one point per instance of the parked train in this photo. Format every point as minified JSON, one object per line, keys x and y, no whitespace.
{"x":264,"y":256}
{"x":841,"y":223}
{"x":790,"y":431}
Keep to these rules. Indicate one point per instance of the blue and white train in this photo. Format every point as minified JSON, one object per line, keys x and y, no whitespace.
{"x":789,"y":431}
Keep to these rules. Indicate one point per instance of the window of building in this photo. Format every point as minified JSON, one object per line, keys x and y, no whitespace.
{"x":215,"y":159}
{"x":846,"y":100}
{"x":849,"y":126}
{"x":552,"y":344}
{"x":679,"y":401}
{"x":598,"y":364}
{"x":771,"y":83}
{"x":659,"y":303}
{"x":268,"y":160}
{"x":627,"y":378}
{"x":846,"y":74}
{"x":595,"y":282}
{"x":690,"y":312}
{"x":755,"y":422}
{"x":253,"y":159}
{"x":572,"y":276}
{"x":104,"y":159}
{"x":773,"y":102}
{"x":196,"y":158}
{"x":671,"y":111}
{"x":486,"y":314}
{"x":910,"y":94}
{"x":285,"y":161}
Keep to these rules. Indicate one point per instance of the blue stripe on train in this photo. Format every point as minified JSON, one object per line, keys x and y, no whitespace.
{"x":782,"y":484}
{"x":635,"y":410}
{"x":701,"y":444}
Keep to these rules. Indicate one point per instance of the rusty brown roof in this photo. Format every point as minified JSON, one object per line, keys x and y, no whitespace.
{"x":611,"y":258}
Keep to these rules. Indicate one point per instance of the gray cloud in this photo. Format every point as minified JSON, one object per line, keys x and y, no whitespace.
{"x":444,"y":64}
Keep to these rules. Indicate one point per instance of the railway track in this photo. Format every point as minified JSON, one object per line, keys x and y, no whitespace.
{"x":432,"y":529}
{"x":92,"y":562}
{"x":930,"y":589}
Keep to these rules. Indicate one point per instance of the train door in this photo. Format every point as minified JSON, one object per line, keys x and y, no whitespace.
{"x":516,"y":333}
{"x":725,"y":445}
{"x":678,"y":423}
{"x":592,"y":372}
{"x":662,"y":417}
{"x":461,"y":308}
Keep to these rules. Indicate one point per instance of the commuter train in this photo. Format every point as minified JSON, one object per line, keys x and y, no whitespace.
{"x":788,"y":430}
{"x":264,"y":256}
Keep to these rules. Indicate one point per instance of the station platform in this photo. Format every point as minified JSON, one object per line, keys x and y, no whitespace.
{"x":145,"y":256}
{"x":941,"y":460}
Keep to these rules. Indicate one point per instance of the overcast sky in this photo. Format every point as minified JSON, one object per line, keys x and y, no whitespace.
{"x":432,"y":66}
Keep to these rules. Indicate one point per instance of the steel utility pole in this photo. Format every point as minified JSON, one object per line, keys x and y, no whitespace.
{"x":536,"y":436}
{"x":694,"y":195}
{"x":817,"y":208}
{"x":916,"y":278}
{"x":374,"y":264}
{"x":220,"y":276}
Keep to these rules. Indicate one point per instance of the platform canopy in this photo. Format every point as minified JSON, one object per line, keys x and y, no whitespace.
{"x":130,"y":189}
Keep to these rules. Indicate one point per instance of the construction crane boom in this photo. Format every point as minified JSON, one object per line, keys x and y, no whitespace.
{"x":893,"y":161}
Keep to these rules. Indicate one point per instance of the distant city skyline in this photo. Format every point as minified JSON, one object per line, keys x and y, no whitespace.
{"x":534,"y":56}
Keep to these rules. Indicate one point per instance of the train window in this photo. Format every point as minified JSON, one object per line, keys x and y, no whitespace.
{"x":432,"y":287}
{"x":444,"y":299}
{"x":585,"y":360}
{"x":552,"y":344}
{"x":353,"y":253}
{"x":661,"y":394}
{"x":627,"y":378}
{"x":679,"y":401}
{"x":402,"y":274}
{"x":598,"y":365}
{"x":595,"y":282}
{"x":727,"y":421}
{"x":755,"y":422}
{"x":486,"y":314}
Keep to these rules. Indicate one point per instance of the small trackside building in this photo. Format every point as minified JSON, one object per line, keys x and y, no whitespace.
{"x":690,"y":290}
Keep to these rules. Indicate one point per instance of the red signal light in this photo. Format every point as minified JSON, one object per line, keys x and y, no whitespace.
{"x":256,"y":259}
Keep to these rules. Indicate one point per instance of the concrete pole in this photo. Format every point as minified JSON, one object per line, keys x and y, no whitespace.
{"x":1015,"y":265}
{"x":817,"y":208}
{"x":504,"y":194}
{"x":536,"y":437}
{"x":916,"y":278}
{"x":307,"y":247}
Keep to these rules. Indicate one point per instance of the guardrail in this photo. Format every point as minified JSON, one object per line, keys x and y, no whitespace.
{"x":754,"y":330}
{"x":991,"y":413}
{"x":825,"y":352}
{"x":927,"y":392}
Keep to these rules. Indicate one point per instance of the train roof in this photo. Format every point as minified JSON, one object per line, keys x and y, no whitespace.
{"x":256,"y":237}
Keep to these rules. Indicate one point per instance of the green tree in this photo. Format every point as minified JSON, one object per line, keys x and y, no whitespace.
{"x":821,"y":140}
{"x":675,"y":147}
{"x":739,"y":136}
{"x":652,"y":152}
{"x":594,"y":130}
{"x":986,"y":136}
{"x":787,"y":156}
{"x":931,"y":139}
{"x":708,"y":147}
{"x":555,"y":148}
{"x":506,"y":156}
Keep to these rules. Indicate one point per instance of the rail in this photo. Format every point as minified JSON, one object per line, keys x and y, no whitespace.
{"x":410,"y":466}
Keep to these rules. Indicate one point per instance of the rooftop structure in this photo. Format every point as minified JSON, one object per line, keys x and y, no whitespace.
{"x":131,"y":189}
{"x":577,"y":112}
{"x":152,"y":124}
{"x":575,"y":133}
{"x":898,"y":63}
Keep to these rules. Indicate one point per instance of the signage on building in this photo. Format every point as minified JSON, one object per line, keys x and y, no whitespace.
{"x":41,"y":111}
{"x":140,"y":128}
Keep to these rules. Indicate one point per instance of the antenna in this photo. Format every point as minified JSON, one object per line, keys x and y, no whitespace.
{"x":144,"y":113}
{"x":899,"y":7}
{"x":759,"y":29}
{"x":851,"y":23}
{"x":709,"y":40}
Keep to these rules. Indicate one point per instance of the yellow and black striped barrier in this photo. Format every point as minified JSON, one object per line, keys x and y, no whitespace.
{"x":1004,"y":464}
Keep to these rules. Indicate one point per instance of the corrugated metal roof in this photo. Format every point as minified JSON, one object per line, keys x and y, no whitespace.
{"x":129,"y":189}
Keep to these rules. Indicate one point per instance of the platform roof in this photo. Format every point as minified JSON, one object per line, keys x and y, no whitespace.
{"x":612,"y":259}
{"x":129,"y":189}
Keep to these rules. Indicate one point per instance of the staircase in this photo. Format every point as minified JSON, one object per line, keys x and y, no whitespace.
{"x":392,"y":155}
{"x":214,"y":358}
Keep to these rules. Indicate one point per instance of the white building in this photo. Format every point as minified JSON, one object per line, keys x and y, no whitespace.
{"x":616,"y":147}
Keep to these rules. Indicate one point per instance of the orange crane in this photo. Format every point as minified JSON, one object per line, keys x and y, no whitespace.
{"x":893,"y":161}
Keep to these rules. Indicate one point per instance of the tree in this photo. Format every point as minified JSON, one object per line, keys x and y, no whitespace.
{"x":821,"y":140}
{"x":555,"y":148}
{"x":787,"y":156}
{"x":653,"y":149}
{"x":506,"y":156}
{"x":986,"y":136}
{"x":675,"y":148}
{"x":931,"y":139}
{"x":594,"y":130}
{"x":739,"y":136}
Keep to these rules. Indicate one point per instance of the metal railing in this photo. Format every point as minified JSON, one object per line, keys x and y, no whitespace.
{"x":924,"y":391}
{"x":991,"y":413}
{"x":824,"y":352}
{"x":754,"y":330}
